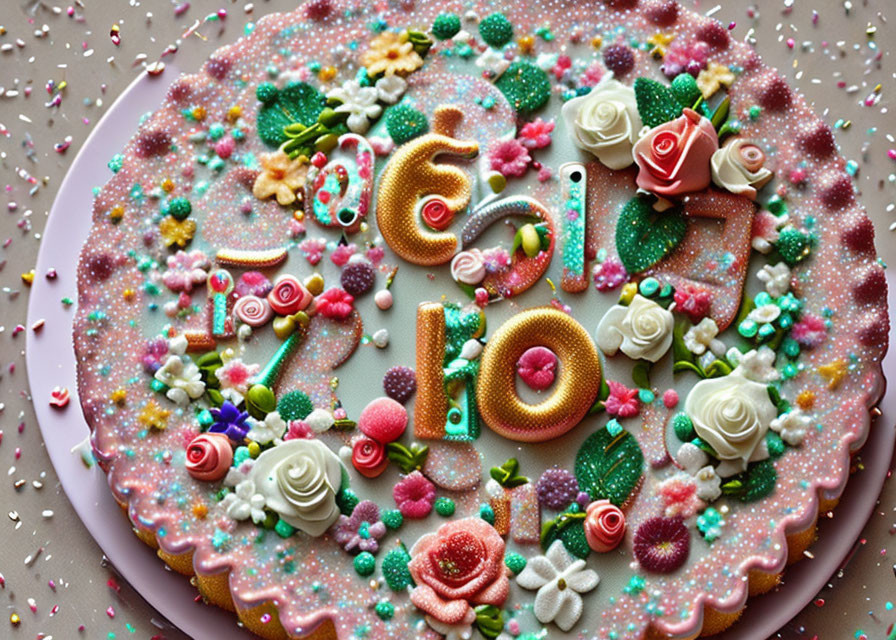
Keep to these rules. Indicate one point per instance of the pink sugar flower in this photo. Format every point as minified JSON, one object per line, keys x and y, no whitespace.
{"x":342,"y":254}
{"x":375,"y":254}
{"x":592,"y":75}
{"x":679,"y":494}
{"x":810,"y":331}
{"x":693,"y":301}
{"x":622,"y":402}
{"x":509,"y":158}
{"x":298,"y":430}
{"x":362,"y":530}
{"x":537,"y":134}
{"x":609,"y":274}
{"x":236,"y":375}
{"x":334,"y":303}
{"x":313,"y":248}
{"x":414,"y":495}
{"x":186,"y":270}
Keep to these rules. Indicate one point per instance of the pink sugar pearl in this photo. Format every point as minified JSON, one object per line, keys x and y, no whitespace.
{"x":537,"y":367}
{"x":383,"y":420}
{"x":670,"y":399}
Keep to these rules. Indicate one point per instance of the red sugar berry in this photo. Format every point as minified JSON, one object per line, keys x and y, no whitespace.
{"x":859,"y":237}
{"x":818,"y":140}
{"x":874,"y":333}
{"x":179,"y":92}
{"x":714,"y":34}
{"x":318,"y":9}
{"x":775,"y":95}
{"x":621,"y":4}
{"x":152,"y":143}
{"x":662,"y":13}
{"x":837,"y":193}
{"x":218,"y":67}
{"x":357,"y":278}
{"x":400,"y":383}
{"x":662,"y":544}
{"x":619,"y":59}
{"x":384,"y":420}
{"x":872,"y":288}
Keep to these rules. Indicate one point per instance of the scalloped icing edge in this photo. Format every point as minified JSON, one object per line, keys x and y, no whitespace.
{"x":710,"y":616}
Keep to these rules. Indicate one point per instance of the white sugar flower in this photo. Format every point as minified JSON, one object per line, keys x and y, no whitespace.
{"x":776,"y":279}
{"x":389,"y":89}
{"x":766,"y":313}
{"x":494,"y":61}
{"x":759,"y":365}
{"x":702,"y":336}
{"x":238,"y":473}
{"x":244,"y":503}
{"x":691,"y":457}
{"x":269,"y":430}
{"x":559,"y":578}
{"x":320,"y":420}
{"x":709,"y":484}
{"x":359,"y":102}
{"x":178,"y":345}
{"x":792,"y":426}
{"x":183,"y":379}
{"x":643,"y":329}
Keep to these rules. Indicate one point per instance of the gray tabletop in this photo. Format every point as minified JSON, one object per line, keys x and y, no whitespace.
{"x":60,"y":69}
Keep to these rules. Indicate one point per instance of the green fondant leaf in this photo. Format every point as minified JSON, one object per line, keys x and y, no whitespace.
{"x":687,"y":365}
{"x":746,"y":308}
{"x":489,"y":621}
{"x":644,"y":237}
{"x":657,"y":103}
{"x":720,"y":115}
{"x":760,"y":481}
{"x":506,"y":475}
{"x":296,"y":103}
{"x":408,"y":460}
{"x":641,"y":375}
{"x":680,"y":352}
{"x":569,"y":529}
{"x":718,"y":369}
{"x":609,"y":467}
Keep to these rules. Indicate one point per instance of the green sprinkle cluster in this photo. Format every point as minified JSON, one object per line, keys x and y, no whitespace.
{"x":444,"y":507}
{"x":683,"y":427}
{"x":395,"y":569}
{"x":392,"y":518}
{"x":365,"y":563}
{"x":525,"y":86}
{"x":496,"y":30}
{"x":180,"y":208}
{"x":404,"y":123}
{"x":295,"y":405}
{"x":515,"y":562}
{"x":445,"y":26}
{"x":384,"y":609}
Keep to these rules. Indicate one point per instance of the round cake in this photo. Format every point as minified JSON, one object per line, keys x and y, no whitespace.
{"x":412,"y":319}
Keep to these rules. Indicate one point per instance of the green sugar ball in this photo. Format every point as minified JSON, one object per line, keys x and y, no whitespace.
{"x":686,"y":91}
{"x":446,"y":25}
{"x":266,"y":93}
{"x":392,"y":518}
{"x":683,"y":427}
{"x":405,"y":123}
{"x":284,"y":529}
{"x":295,"y":405}
{"x":515,"y":562}
{"x":445,"y":507}
{"x":496,"y":30}
{"x":385,"y":610}
{"x":260,"y":401}
{"x":793,"y":245}
{"x":347,"y":500}
{"x":776,"y":446}
{"x":180,"y":208}
{"x":487,"y":513}
{"x":365,"y":563}
{"x":395,"y":569}
{"x":525,"y":86}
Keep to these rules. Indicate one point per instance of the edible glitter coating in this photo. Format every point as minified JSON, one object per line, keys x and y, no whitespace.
{"x":577,"y":383}
{"x":160,"y":496}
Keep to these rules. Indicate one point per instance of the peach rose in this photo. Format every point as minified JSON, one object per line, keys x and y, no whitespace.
{"x":604,"y":525}
{"x":456,"y":568}
{"x":673,"y":158}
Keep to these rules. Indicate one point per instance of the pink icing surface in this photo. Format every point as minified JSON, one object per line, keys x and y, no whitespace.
{"x":311,"y":580}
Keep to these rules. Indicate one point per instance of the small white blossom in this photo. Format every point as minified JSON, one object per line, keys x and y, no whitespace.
{"x":792,"y":426}
{"x":765,"y":314}
{"x":709,"y":484}
{"x":320,"y":420}
{"x":776,"y":279}
{"x":178,"y":345}
{"x":764,"y":242}
{"x":494,"y":61}
{"x":244,"y":503}
{"x":359,"y":102}
{"x":239,"y":473}
{"x":702,"y":336}
{"x":691,"y":457}
{"x":389,"y":89}
{"x":559,"y":578}
{"x":183,"y":379}
{"x":759,"y":365}
{"x":272,"y":428}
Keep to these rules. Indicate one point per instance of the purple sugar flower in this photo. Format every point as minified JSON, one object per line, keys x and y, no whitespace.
{"x":362,"y":530}
{"x":230,"y":421}
{"x":153,"y":352}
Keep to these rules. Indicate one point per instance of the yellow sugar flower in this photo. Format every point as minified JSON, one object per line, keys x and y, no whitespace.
{"x":177,"y":232}
{"x":280,"y":177}
{"x":391,"y":53}
{"x":713,"y":77}
{"x":154,"y":416}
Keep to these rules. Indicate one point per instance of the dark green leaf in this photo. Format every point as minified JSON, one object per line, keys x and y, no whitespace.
{"x":644,"y":237}
{"x":609,"y":467}
{"x":641,"y":375}
{"x":297,"y":102}
{"x":680,"y":352}
{"x":684,"y":365}
{"x":657,"y":103}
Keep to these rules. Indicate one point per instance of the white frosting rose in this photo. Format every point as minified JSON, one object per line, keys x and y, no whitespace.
{"x":732,"y":415}
{"x":643,"y":329}
{"x":605,"y":122}
{"x":468,"y":267}
{"x":738,"y":167}
{"x":299,"y":480}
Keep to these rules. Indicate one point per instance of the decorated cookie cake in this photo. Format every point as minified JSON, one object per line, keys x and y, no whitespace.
{"x":543,"y":318}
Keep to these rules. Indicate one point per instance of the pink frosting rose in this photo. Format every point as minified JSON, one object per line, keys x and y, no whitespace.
{"x":458,"y":567}
{"x":673,"y":158}
{"x":209,"y":456}
{"x":604,"y":525}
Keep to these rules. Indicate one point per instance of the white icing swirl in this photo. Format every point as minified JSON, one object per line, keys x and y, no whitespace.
{"x":299,"y":480}
{"x":732,"y":415}
{"x":738,"y":167}
{"x":605,"y":122}
{"x":468,"y":267}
